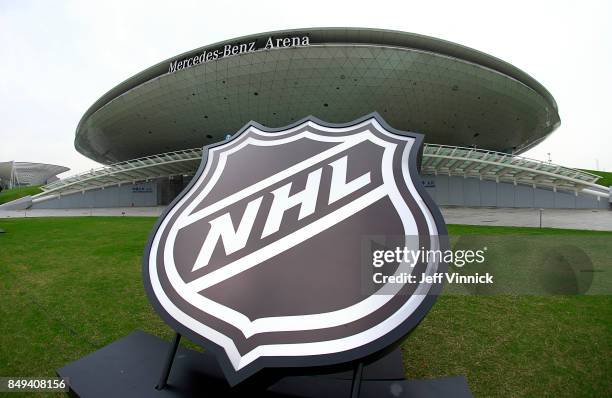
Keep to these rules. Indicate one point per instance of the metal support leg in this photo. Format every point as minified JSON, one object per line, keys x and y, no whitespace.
{"x":356,"y":386}
{"x":163,"y":379}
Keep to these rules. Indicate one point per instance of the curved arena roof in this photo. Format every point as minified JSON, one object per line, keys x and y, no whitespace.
{"x":453,"y":94}
{"x":28,"y":173}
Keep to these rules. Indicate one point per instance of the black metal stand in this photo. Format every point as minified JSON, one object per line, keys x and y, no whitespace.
{"x":130,"y":367}
{"x":356,"y":385}
{"x":163,"y":379}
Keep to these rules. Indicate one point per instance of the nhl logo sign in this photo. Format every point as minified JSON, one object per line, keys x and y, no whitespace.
{"x":259,"y":258}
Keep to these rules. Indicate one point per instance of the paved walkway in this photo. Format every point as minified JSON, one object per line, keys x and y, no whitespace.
{"x":593,"y":219}
{"x":113,"y":211}
{"x":552,"y":218}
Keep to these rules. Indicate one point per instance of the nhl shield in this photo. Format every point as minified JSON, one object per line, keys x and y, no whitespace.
{"x":259,"y":258}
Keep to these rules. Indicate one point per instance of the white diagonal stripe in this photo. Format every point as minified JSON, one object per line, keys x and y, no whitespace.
{"x":288,"y":241}
{"x":261,"y":185}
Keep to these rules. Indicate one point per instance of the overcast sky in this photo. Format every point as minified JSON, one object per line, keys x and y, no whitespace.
{"x":58,"y":58}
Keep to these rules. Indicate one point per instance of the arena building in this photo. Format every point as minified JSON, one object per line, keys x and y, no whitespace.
{"x":478,"y":114}
{"x":17,"y":174}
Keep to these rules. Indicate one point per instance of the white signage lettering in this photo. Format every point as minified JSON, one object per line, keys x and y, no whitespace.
{"x":236,"y":49}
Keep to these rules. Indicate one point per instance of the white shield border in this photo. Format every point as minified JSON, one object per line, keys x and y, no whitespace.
{"x":237,"y":367}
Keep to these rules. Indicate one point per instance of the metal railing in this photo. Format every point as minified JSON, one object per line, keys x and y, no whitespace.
{"x":498,"y":166}
{"x":437,"y":159}
{"x":140,"y":169}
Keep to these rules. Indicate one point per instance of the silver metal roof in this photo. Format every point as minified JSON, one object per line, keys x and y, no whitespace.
{"x":503,"y":167}
{"x":452,"y":94}
{"x":183,"y":162}
{"x":437,"y":159}
{"x":28,"y":173}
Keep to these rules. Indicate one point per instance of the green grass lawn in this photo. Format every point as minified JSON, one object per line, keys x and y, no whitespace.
{"x":606,"y":177}
{"x":8,"y":195}
{"x":69,"y":286}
